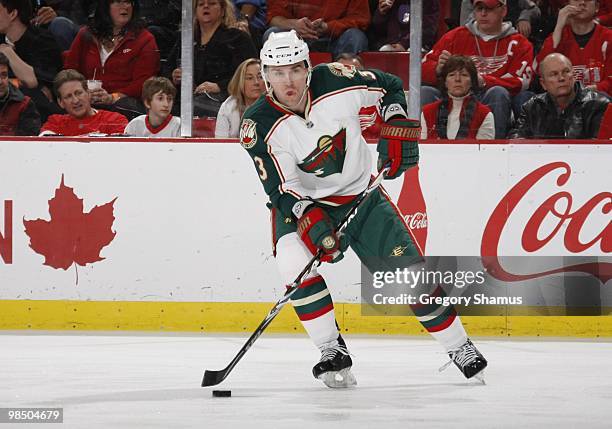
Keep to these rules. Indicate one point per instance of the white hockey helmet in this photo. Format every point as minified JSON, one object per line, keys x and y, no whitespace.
{"x":282,"y":49}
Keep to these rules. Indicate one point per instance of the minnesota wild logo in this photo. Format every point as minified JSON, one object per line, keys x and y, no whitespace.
{"x":328,"y":157}
{"x":248,"y":133}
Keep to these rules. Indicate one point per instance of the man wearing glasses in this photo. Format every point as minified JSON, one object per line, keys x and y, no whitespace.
{"x":503,"y":58}
{"x":586,"y":43}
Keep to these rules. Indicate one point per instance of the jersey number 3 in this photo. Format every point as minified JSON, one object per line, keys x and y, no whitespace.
{"x":263,"y":174}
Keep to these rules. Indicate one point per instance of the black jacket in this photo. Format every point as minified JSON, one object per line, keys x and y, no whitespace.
{"x":38,"y":48}
{"x":218,"y":60}
{"x":540,"y":117}
{"x":18,"y":115}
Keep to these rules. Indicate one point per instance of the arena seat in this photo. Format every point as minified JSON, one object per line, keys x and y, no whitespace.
{"x":320,"y":57}
{"x":203,"y":127}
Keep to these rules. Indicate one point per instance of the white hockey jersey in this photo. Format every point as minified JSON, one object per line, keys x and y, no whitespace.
{"x":141,"y":127}
{"x":321,"y":155}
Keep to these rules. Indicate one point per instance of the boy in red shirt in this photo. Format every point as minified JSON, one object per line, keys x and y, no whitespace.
{"x":70,"y":87}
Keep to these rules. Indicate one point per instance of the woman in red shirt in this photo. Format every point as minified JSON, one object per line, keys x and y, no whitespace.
{"x":115,"y":49}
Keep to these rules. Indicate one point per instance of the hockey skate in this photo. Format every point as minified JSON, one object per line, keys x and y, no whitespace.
{"x":469,"y":361}
{"x":334,"y":368}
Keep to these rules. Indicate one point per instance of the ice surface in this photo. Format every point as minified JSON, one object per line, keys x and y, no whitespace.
{"x":152,"y":381}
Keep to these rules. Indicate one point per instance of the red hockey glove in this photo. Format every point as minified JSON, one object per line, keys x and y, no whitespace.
{"x":398,"y":143}
{"x":316,"y":231}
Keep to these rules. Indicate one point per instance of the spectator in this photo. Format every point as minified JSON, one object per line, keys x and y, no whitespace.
{"x":502,"y":57}
{"x":458,"y":115}
{"x":549,"y":10}
{"x":565,"y":110}
{"x":218,"y":51}
{"x":245,"y":87}
{"x":390,"y":27}
{"x":163,"y":20}
{"x":334,"y":26}
{"x":524,"y":14}
{"x":115,"y":49}
{"x":251,"y":16}
{"x":33,"y":53}
{"x":158,"y":96}
{"x":81,"y":119}
{"x":18,"y":115}
{"x":61,"y":17}
{"x":587,"y":44}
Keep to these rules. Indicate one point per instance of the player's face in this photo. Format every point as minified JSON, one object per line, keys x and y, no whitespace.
{"x":253,"y":83}
{"x":288,"y":83}
{"x":458,"y":83}
{"x":75,"y":99}
{"x":4,"y":80}
{"x":558,"y":78}
{"x":121,"y":12}
{"x":160,"y":105}
{"x":489,"y":20}
{"x":587,"y":9}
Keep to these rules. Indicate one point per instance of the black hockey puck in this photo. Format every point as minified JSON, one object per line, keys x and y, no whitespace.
{"x":222,"y":393}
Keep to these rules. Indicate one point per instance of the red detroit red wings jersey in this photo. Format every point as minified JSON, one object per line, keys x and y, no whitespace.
{"x":504,"y":61}
{"x":597,"y":53}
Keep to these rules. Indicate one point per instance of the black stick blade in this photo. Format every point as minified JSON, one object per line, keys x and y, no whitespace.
{"x":212,"y":378}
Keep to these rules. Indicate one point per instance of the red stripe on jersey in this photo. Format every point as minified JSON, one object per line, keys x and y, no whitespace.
{"x":310,"y":282}
{"x":159,"y":128}
{"x":317,"y":313}
{"x":443,"y":325}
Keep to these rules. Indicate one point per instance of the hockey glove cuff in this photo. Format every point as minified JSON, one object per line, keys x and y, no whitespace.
{"x":316,"y":231}
{"x":398,"y":143}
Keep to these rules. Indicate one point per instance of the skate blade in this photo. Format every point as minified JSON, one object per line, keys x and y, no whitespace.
{"x":338,"y":379}
{"x":480,"y":377}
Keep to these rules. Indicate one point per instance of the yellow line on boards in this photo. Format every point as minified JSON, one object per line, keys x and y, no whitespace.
{"x":216,"y":317}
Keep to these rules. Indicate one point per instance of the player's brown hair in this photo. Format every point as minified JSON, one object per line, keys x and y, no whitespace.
{"x":458,"y":62}
{"x":67,"y":75}
{"x":156,"y":84}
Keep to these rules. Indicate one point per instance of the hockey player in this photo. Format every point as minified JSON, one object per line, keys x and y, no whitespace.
{"x":305,"y":141}
{"x":158,"y":97}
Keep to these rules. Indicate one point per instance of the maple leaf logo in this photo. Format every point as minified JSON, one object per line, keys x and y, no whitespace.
{"x":71,"y":236}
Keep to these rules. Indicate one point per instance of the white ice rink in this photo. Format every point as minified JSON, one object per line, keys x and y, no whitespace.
{"x":152,"y":381}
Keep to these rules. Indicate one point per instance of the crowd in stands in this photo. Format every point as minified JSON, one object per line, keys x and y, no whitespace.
{"x":490,"y":68}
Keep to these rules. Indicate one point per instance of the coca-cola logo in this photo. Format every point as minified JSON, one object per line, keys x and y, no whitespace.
{"x":532,"y":239}
{"x":417,"y":220}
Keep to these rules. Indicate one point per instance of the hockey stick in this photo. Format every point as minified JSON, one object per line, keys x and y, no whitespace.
{"x":212,"y":378}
